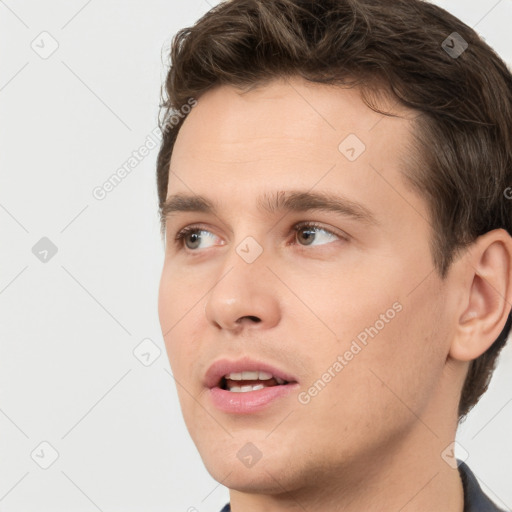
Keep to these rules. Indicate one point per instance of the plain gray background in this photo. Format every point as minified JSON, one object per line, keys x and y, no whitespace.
{"x":71,"y":326}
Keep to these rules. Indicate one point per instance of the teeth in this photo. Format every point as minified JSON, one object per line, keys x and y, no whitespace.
{"x":250,"y":376}
{"x":244,"y":389}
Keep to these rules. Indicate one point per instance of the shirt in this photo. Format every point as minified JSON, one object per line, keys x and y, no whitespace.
{"x":474,"y":498}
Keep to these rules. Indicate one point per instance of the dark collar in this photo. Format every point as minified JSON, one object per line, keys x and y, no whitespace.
{"x":474,"y":498}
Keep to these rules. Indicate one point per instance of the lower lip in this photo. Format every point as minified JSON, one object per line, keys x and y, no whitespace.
{"x":249,"y":401}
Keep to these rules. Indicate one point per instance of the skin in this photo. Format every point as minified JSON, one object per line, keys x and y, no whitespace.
{"x":372,"y":439}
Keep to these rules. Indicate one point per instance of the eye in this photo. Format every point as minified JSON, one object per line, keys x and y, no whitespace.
{"x":196,"y":234}
{"x":309,"y":229}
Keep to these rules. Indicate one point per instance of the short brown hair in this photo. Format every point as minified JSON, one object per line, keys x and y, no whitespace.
{"x":462,"y":163}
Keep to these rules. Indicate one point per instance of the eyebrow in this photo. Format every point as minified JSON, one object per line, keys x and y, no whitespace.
{"x":276,"y":202}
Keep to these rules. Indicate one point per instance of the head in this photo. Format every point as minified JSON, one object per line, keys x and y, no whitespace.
{"x":359,"y":103}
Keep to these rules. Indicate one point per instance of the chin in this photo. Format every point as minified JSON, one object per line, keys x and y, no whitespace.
{"x":255,"y":480}
{"x":240,"y":464}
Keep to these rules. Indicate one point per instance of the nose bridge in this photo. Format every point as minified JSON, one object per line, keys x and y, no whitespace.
{"x":244,"y":288}
{"x":247,"y":253}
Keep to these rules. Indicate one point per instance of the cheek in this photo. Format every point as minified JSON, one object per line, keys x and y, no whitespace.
{"x":382,"y":388}
{"x":392,"y":341}
{"x":178,"y":310}
{"x":179,"y":296}
{"x":404,"y":360}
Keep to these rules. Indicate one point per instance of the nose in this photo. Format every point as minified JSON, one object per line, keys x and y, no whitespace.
{"x":246,"y":297}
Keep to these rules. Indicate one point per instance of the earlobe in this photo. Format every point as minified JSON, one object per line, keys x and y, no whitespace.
{"x":488,"y":296}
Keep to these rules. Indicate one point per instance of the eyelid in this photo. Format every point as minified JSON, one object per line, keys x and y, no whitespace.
{"x":336,"y":232}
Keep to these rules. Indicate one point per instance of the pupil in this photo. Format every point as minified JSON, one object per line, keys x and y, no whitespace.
{"x":195,"y":237}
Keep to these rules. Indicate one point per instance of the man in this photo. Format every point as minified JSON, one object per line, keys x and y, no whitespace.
{"x":337,"y":279}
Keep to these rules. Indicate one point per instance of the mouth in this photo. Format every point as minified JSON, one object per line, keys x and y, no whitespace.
{"x":244,"y":382}
{"x":237,"y":376}
{"x":246,"y":385}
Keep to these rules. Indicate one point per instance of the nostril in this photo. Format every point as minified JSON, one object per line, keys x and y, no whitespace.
{"x":250,"y":317}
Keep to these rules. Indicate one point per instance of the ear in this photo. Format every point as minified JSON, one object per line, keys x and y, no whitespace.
{"x":487,"y":291}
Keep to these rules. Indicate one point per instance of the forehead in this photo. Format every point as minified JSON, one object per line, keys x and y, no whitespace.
{"x":305,"y":119}
{"x":292,"y":134}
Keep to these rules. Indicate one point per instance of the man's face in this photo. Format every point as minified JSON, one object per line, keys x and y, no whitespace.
{"x":351,"y":309}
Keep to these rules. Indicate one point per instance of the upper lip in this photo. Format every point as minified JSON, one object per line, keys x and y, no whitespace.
{"x":222,"y":367}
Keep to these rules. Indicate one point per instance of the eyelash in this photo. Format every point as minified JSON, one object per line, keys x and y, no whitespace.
{"x":182,"y":234}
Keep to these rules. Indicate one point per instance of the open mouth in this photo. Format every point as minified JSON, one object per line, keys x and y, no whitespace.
{"x":247,"y":386}
{"x":249,"y":381}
